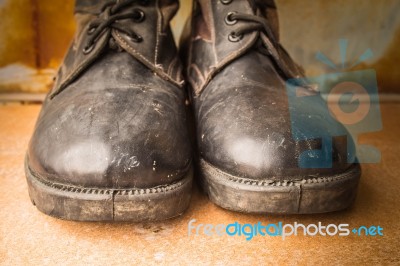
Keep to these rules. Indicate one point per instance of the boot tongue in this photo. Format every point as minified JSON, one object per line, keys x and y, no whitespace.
{"x":285,"y":64}
{"x":271,"y":46}
{"x":288,"y":68}
{"x":156,"y":49}
{"x":267,"y":9}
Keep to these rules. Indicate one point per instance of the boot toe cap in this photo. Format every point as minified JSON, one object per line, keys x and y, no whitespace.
{"x":92,"y":141}
{"x":260,"y":141}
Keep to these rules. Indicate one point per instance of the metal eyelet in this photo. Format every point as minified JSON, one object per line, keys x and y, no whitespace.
{"x":226,"y":2}
{"x":88,"y":48}
{"x":140,"y":16}
{"x":91,"y":30}
{"x":233,"y":37}
{"x":229,"y":20}
{"x":136,"y":38}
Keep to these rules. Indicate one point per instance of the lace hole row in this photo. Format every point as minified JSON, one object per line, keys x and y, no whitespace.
{"x":232,"y":37}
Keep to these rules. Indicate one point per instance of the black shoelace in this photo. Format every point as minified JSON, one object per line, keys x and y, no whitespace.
{"x":100,"y":25}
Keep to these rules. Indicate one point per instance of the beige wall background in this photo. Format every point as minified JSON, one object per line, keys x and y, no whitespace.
{"x":34,"y":35}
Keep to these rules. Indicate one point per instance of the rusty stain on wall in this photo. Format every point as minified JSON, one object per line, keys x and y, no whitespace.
{"x":388,"y":68}
{"x":35,"y":34}
{"x":16,"y":34}
{"x":35,"y":29}
{"x":34,"y":37}
{"x":311,"y":26}
{"x":55,"y":30}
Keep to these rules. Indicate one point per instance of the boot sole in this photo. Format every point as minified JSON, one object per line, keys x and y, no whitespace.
{"x":94,"y":204}
{"x":305,"y":196}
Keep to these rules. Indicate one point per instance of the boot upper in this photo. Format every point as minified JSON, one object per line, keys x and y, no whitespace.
{"x":116,"y":115}
{"x":237,"y":71}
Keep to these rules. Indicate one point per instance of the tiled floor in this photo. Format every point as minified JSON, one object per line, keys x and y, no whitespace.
{"x":30,"y":237}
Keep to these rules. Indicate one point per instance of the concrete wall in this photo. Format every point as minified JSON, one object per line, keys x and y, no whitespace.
{"x":309,"y":26}
{"x":34,"y":35}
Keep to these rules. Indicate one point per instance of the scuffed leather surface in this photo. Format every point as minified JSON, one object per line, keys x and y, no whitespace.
{"x":242,"y":112}
{"x":114,"y":119}
{"x":119,"y":125}
{"x":243,"y":124}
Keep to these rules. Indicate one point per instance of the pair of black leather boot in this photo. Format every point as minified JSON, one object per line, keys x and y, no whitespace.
{"x":112,"y":141}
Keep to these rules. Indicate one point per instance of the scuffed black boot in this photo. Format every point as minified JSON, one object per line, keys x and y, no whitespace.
{"x":111,"y":141}
{"x":248,"y":157}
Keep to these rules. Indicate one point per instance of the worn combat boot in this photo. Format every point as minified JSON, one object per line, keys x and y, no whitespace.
{"x":111,"y":141}
{"x":247,"y":155}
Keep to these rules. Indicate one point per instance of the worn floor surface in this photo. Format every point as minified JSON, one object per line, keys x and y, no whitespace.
{"x":30,"y":237}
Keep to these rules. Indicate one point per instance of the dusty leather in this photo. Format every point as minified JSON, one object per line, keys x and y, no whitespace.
{"x":239,"y":97}
{"x":116,"y":116}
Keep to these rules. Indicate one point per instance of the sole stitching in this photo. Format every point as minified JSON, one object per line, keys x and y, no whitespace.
{"x":135,"y":191}
{"x":275,"y":183}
